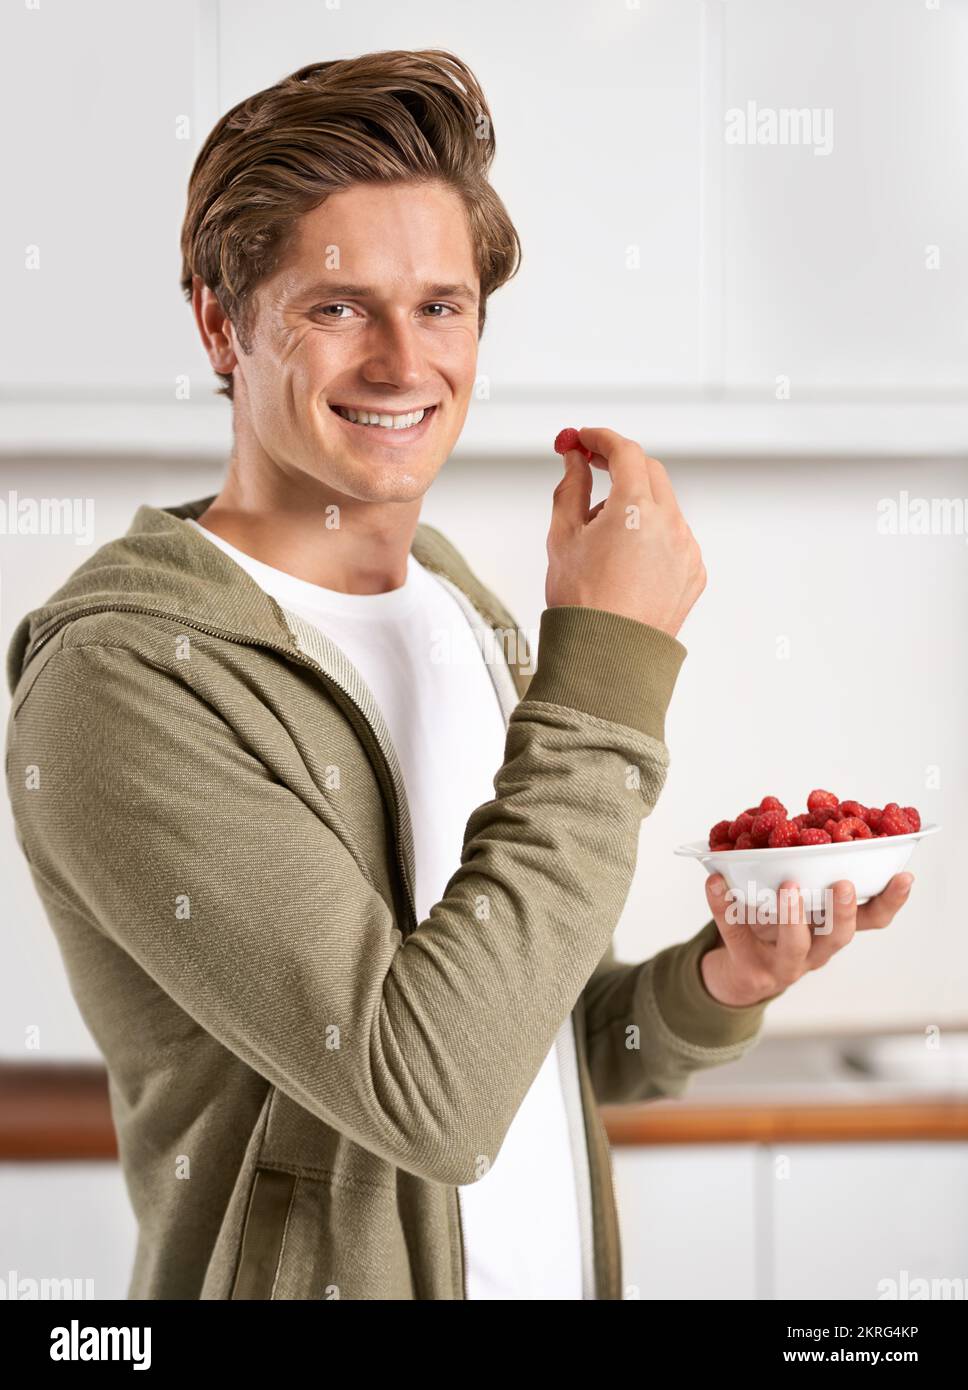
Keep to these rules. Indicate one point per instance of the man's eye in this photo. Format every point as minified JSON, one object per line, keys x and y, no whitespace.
{"x":322,"y":308}
{"x":448,"y":307}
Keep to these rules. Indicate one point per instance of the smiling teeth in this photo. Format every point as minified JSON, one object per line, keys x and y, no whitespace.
{"x":387,"y":422}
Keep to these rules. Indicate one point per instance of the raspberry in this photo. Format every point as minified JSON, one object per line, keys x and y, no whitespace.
{"x":913,"y":815}
{"x":850,"y":828}
{"x":744,"y":842}
{"x":814,"y":837}
{"x":771,"y":803}
{"x":783,"y":835}
{"x":752,"y":812}
{"x":568,"y":439}
{"x":719,"y":833}
{"x":873,"y":818}
{"x":854,"y":808}
{"x":740,"y":825}
{"x":818,"y":820}
{"x":721,"y":849}
{"x":894,"y":821}
{"x":818,"y":799}
{"x":763,"y":827}
{"x":801,"y":821}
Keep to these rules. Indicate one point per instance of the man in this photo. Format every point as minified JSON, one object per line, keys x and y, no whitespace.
{"x":335,"y":892}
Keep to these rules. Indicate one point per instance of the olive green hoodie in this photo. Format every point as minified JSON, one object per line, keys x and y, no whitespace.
{"x":301,"y":1073}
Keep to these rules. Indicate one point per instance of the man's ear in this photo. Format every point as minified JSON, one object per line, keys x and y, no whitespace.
{"x":214,"y":327}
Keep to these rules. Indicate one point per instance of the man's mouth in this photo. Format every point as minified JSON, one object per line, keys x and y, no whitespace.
{"x":391,"y":422}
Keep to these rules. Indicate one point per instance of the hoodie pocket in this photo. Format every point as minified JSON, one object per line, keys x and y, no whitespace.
{"x":322,"y":1237}
{"x":264,"y":1234}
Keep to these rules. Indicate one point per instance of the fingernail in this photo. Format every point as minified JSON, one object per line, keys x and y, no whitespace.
{"x":906,"y":881}
{"x":716,"y":888}
{"x":845,"y":893}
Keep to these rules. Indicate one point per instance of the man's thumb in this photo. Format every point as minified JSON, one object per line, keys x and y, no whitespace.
{"x":573,"y":494}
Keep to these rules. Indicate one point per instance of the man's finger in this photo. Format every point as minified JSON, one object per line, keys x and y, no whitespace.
{"x":794,"y":932}
{"x":570,"y":499}
{"x":880,"y":911}
{"x":730,"y":918}
{"x":839,"y":930}
{"x":626,"y":462}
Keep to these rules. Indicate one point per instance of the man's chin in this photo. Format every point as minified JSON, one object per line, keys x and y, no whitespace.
{"x":382,"y":485}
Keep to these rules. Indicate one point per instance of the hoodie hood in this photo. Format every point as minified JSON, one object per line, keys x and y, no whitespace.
{"x":162,"y":565}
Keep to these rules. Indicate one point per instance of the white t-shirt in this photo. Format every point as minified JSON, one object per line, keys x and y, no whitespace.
{"x":520,"y":1221}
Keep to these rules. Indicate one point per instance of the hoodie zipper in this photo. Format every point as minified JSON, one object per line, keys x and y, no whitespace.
{"x":293,"y":653}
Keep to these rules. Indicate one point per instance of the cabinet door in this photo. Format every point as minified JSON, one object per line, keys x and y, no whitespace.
{"x":843,"y":258}
{"x":688,"y":1220}
{"x":102,"y":98}
{"x":860,"y":1220}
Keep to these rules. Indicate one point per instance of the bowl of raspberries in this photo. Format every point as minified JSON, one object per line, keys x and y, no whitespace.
{"x":764,"y":846}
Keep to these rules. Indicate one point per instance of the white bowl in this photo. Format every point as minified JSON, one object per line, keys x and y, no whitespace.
{"x":868,"y":864}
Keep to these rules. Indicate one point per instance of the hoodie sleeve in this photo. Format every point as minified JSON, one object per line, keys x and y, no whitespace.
{"x":151,"y":798}
{"x":650,"y":1026}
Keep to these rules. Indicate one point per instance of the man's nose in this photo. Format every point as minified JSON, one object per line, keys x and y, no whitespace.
{"x":396,"y":353}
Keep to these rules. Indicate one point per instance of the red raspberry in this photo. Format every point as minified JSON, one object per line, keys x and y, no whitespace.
{"x":801,"y":820}
{"x":814,"y":837}
{"x":894,"y":821}
{"x":854,"y":808}
{"x":873,"y":818}
{"x":818,"y":799}
{"x":568,"y":439}
{"x":744,"y":842}
{"x":783,"y":835}
{"x":771,"y":803}
{"x":763,"y":827}
{"x":751,"y":811}
{"x":913,"y":815}
{"x":818,"y":820}
{"x":850,"y":828}
{"x":740,"y":825}
{"x":721,"y":849}
{"x":719,"y":833}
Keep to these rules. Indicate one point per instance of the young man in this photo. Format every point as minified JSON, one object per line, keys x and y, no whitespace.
{"x":334,"y":882}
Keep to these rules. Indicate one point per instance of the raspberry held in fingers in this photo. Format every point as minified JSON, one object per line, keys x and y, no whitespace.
{"x":567,"y":439}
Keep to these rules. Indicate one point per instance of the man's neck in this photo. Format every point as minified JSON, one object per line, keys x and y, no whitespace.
{"x":325,"y":538}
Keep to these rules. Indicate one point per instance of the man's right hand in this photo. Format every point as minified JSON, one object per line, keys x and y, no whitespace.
{"x":632,"y":553}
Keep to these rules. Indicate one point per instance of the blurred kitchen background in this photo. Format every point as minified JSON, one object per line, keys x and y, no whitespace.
{"x":785,"y":325}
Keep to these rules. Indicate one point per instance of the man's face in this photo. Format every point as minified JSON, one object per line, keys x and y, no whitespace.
{"x":375,"y":308}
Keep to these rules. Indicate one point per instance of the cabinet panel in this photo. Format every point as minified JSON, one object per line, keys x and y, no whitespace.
{"x":100,"y":96}
{"x":827,"y":271}
{"x":849,"y":1216}
{"x":688,"y":1220}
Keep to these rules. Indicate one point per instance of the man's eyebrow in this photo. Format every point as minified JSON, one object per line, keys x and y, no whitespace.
{"x":348,"y":291}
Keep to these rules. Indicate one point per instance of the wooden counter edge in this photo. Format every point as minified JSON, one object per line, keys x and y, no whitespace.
{"x":61,"y":1112}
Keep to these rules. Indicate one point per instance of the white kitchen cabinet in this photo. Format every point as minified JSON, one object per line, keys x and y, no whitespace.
{"x":846,"y":271}
{"x":104,"y":102}
{"x":688,"y":1220}
{"x":797,"y":1221}
{"x":66,"y":1221}
{"x":849,"y":1216}
{"x":707,"y":297}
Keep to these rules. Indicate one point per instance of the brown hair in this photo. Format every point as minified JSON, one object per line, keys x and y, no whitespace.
{"x":394,"y":116}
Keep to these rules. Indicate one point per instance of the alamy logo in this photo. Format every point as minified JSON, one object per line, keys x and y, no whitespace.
{"x":48,"y":516}
{"x":784,"y":125}
{"x":25,"y":1288}
{"x":76,"y":1343}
